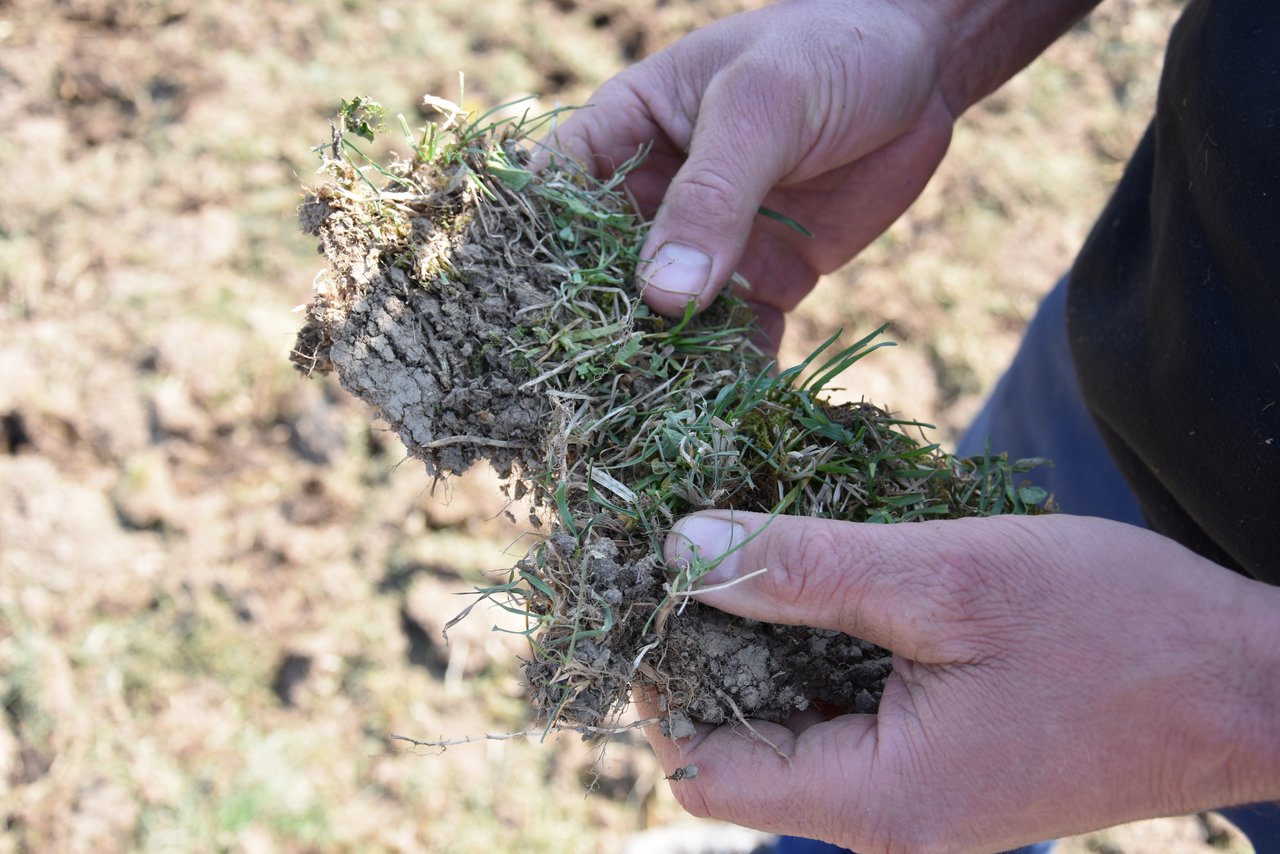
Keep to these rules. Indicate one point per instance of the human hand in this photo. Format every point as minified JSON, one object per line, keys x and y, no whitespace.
{"x":1052,"y":675}
{"x":830,"y":115}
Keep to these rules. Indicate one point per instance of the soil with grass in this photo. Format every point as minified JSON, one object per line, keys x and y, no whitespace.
{"x":487,"y":313}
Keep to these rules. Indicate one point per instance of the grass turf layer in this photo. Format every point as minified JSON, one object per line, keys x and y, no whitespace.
{"x":487,"y":312}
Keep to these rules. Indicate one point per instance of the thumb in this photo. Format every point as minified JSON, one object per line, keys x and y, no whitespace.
{"x":740,"y":147}
{"x":917,"y":589}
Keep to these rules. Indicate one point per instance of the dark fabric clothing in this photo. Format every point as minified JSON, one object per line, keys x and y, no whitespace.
{"x":1174,"y":304}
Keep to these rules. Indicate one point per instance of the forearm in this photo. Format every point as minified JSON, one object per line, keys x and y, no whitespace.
{"x":985,"y":42}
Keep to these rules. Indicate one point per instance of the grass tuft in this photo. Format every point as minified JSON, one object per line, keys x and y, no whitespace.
{"x":617,"y":421}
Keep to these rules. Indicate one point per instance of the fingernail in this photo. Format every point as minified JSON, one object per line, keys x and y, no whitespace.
{"x":679,"y":269}
{"x":706,"y":538}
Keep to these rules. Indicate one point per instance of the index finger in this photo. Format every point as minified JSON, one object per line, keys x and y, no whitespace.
{"x":607,"y":131}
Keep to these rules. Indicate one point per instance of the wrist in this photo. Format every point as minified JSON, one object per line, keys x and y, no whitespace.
{"x":982,"y":43}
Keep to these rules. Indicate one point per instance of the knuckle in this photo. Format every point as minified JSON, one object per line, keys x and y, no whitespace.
{"x":981,"y":589}
{"x":786,"y":65}
{"x":707,"y":197}
{"x":958,"y":582}
{"x":805,"y":566}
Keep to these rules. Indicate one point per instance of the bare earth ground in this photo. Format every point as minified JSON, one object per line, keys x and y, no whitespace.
{"x":219,"y":590}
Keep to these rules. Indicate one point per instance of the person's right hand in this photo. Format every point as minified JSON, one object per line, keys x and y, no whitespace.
{"x":828,"y":112}
{"x":1051,"y":675}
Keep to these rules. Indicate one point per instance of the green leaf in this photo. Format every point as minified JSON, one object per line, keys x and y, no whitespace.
{"x":540,"y":585}
{"x":827,"y":430}
{"x":593,"y":332}
{"x":795,"y":370}
{"x":627,"y":351}
{"x":902,"y":500}
{"x":689,"y":308}
{"x":505,"y":171}
{"x":588,"y":371}
{"x":363,"y":116}
{"x":785,"y":220}
{"x":1032,"y":495}
{"x":838,"y":363}
{"x":562,"y":505}
{"x":528,"y":633}
{"x":920,"y":512}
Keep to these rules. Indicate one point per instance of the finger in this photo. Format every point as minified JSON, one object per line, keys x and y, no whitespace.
{"x":926,"y":590}
{"x":742,"y":143}
{"x":772,"y":779}
{"x":607,"y":131}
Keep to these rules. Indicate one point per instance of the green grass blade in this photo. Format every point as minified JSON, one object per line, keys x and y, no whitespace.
{"x":785,"y":220}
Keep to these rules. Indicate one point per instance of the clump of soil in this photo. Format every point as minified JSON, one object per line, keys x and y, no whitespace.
{"x":487,"y":312}
{"x":420,"y":334}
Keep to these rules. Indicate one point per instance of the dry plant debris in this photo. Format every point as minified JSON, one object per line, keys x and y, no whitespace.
{"x":487,"y":312}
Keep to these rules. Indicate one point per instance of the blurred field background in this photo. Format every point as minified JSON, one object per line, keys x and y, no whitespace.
{"x":220,"y":589}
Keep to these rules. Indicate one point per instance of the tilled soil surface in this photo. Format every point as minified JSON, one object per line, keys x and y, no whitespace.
{"x":219,"y":590}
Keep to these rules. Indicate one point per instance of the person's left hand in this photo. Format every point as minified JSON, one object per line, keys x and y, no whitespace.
{"x":1052,"y":675}
{"x":832,"y":113}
